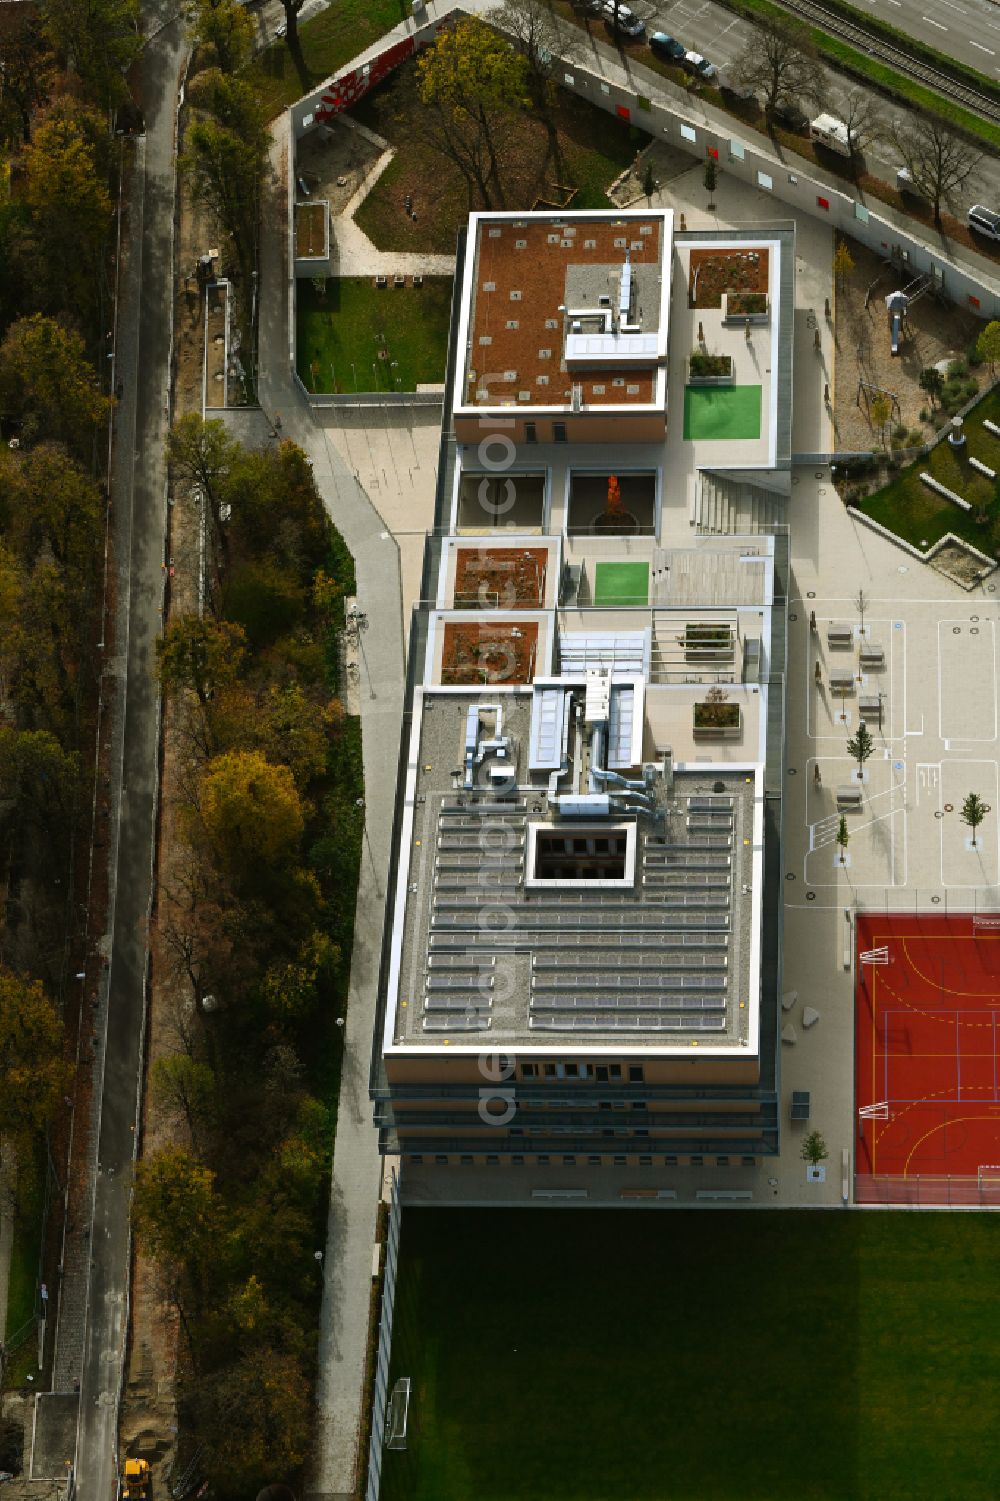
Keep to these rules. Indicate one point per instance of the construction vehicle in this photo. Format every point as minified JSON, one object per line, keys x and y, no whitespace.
{"x":135,"y":1480}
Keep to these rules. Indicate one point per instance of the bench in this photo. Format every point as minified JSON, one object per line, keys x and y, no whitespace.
{"x":728,"y":1194}
{"x":873,"y":657}
{"x":870,"y":706}
{"x":648,"y":1193}
{"x":849,"y":795}
{"x":560,"y":1193}
{"x":841,"y":637}
{"x":841,"y":680}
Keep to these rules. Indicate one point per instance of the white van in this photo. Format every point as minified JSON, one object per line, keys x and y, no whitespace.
{"x":832,"y":133}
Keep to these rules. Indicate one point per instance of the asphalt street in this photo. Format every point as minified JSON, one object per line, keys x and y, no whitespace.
{"x":139,"y":506}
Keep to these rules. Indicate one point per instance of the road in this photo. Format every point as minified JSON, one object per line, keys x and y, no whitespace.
{"x":709,"y":28}
{"x":139,"y":507}
{"x":949,"y":26}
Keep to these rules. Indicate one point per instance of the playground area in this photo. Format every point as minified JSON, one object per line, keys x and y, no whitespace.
{"x":621,"y":583}
{"x":488,"y":578}
{"x":927,"y":1040}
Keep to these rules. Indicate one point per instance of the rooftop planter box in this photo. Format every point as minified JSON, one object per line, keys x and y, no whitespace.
{"x":710,"y":369}
{"x":717,"y":720}
{"x":745,"y":307}
{"x":708,"y":642}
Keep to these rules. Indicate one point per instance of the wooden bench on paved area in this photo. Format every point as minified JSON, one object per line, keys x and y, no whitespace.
{"x":841,"y":680}
{"x":849,"y":795}
{"x":559,"y":1193}
{"x":648,"y":1193}
{"x":724,"y":1193}
{"x":840,"y":637}
{"x":872,"y":658}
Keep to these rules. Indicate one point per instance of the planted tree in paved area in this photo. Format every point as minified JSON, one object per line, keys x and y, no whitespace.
{"x":814,"y":1149}
{"x":974,"y":810}
{"x":939,"y":160}
{"x":843,"y":838}
{"x":780,"y":63}
{"x":861,"y":745}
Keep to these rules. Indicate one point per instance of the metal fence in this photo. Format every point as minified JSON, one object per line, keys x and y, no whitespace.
{"x":925,"y":1191}
{"x":375,"y":1445}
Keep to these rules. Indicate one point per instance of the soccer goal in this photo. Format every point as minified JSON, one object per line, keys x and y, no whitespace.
{"x":877,"y":1112}
{"x":985,"y":923}
{"x":397,"y":1414}
{"x":989,"y":1176}
{"x":876,"y":956}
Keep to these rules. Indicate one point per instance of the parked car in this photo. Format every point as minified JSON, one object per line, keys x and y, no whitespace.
{"x":985,"y":221}
{"x":790,"y":115}
{"x":588,"y":7}
{"x":667,"y":47}
{"x":699,"y":66}
{"x":623,"y":21}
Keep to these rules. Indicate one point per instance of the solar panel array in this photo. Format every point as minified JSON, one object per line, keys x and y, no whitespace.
{"x":652,"y":959}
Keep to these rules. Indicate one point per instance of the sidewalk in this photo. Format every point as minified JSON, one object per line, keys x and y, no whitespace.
{"x":357,"y":1173}
{"x":6,"y":1236}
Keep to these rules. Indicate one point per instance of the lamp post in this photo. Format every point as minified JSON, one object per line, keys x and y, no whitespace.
{"x":360,"y":804}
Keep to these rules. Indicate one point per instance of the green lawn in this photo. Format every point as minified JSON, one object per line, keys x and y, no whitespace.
{"x":329,"y":40}
{"x":621,"y":584}
{"x":23,"y":1286}
{"x":908,"y":508}
{"x":341,"y":332}
{"x":586,"y":1355}
{"x":721,"y":412}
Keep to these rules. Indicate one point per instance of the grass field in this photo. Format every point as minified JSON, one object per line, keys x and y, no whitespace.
{"x":621,"y":583}
{"x":714,"y":1356}
{"x":722,"y":412}
{"x":908,"y":508}
{"x":342,"y":330}
{"x":329,"y":40}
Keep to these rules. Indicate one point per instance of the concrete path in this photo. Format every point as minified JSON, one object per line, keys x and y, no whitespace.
{"x":6,"y":1233}
{"x":356,"y":1179}
{"x":354,"y":254}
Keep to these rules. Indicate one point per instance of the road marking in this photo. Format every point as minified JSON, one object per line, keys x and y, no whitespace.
{"x":979,"y":46}
{"x":897,"y":3}
{"x":931,"y":22}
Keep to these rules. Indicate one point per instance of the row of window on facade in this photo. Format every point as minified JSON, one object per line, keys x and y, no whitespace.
{"x":618,"y":1159}
{"x":603,"y":1073}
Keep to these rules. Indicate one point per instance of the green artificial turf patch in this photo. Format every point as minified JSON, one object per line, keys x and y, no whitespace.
{"x":621,"y":584}
{"x":722,"y":412}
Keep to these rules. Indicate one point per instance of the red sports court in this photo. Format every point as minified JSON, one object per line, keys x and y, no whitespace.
{"x":927,"y":1023}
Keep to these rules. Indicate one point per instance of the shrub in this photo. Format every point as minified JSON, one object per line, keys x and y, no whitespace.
{"x":899,"y":432}
{"x":925,"y":415}
{"x":957,"y":368}
{"x":710,"y":364}
{"x":972,"y":355}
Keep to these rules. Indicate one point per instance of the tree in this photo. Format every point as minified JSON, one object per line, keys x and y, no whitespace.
{"x":99,"y":40}
{"x":938,"y":160}
{"x":814,"y":1150}
{"x":26,"y":70}
{"x":861,"y":113}
{"x":66,"y":190}
{"x":250,"y":813}
{"x":224,"y":27}
{"x":257,"y":1422}
{"x":988,"y":345}
{"x":47,"y":381}
{"x":843,"y":263}
{"x":200,"y":655}
{"x":861,"y":746}
{"x":536,"y":31}
{"x":178,"y":1215}
{"x":843,"y":838}
{"x":974,"y":810}
{"x":187,"y":1087}
{"x":35,"y":1074}
{"x":469,"y":81}
{"x":780,"y":63}
{"x":932,"y":381}
{"x":710,"y":176}
{"x":53,"y":506}
{"x":226,"y":157}
{"x":39,"y":786}
{"x":880,"y":413}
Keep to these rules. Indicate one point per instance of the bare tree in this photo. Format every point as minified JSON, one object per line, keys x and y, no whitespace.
{"x":861,"y":114}
{"x":780,"y":63}
{"x":535,"y":29}
{"x":939,"y":161}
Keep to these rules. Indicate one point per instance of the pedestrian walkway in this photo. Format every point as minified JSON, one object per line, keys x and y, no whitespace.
{"x":356,"y":1180}
{"x":354,"y":254}
{"x":6,"y":1232}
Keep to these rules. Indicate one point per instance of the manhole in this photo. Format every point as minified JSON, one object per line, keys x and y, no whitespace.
{"x":791,"y":771}
{"x":811,"y":594}
{"x":935,"y":900}
{"x":938,"y":814}
{"x":821,"y":490}
{"x":956,"y":630}
{"x":790,"y":876}
{"x":810,"y":896}
{"x":974,"y":618}
{"x":795,"y":479}
{"x":949,"y":807}
{"x":793,"y":617}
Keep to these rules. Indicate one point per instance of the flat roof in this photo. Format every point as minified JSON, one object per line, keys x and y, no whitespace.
{"x":561,"y":301}
{"x":660,"y":953}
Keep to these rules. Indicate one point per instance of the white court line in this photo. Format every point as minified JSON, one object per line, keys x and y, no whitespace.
{"x":992,"y":679}
{"x":856,"y":829}
{"x":994,"y":800}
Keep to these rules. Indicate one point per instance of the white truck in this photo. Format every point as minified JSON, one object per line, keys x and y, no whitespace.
{"x":832,"y":133}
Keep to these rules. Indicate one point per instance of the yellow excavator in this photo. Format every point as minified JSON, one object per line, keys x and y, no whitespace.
{"x":135,"y":1480}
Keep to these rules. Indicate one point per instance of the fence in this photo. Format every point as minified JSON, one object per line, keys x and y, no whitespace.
{"x":926,"y":1192}
{"x":384,"y":1346}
